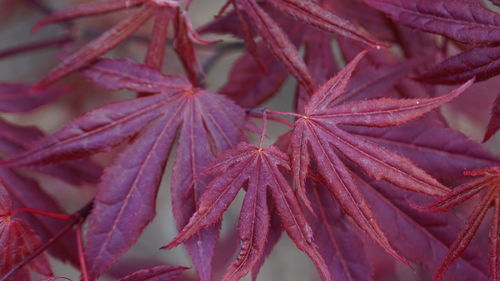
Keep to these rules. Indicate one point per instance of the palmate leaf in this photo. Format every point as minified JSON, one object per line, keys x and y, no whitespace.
{"x":162,"y":11}
{"x":488,"y":184}
{"x":320,"y":131}
{"x":464,"y":21}
{"x":206,"y":123}
{"x":258,"y":168}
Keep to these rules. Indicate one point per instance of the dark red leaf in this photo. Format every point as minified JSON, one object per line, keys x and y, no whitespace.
{"x":465,"y":21}
{"x":482,"y":63}
{"x":444,"y":153}
{"x":403,"y":223}
{"x":248,"y":85}
{"x":320,"y":131}
{"x":185,"y":37}
{"x":494,"y":123}
{"x":278,"y":42}
{"x":85,"y":10}
{"x":488,"y":182}
{"x":97,"y":47}
{"x":337,"y":241}
{"x":465,"y":236}
{"x":258,"y":168}
{"x":311,"y":13}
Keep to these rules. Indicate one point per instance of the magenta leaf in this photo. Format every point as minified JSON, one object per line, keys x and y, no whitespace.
{"x":257,"y":168}
{"x":482,"y":63}
{"x":18,"y":97}
{"x":464,"y":21}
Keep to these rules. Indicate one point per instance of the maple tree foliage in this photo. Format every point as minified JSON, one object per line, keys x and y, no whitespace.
{"x":367,"y":173}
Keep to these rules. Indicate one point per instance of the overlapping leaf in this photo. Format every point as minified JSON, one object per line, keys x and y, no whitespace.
{"x":320,"y":131}
{"x":127,"y":192}
{"x":488,"y":183}
{"x":464,"y":21}
{"x":258,"y":168}
{"x":17,"y":240}
{"x":16,"y":97}
{"x":162,"y":12}
{"x":494,"y":123}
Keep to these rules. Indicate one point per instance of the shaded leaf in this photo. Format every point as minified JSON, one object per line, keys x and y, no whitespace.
{"x":464,"y":21}
{"x":18,"y":97}
{"x":97,"y":47}
{"x":248,"y":85}
{"x":482,"y":63}
{"x":278,"y":42}
{"x":311,"y":13}
{"x":488,"y":183}
{"x":494,"y":123}
{"x":85,"y":10}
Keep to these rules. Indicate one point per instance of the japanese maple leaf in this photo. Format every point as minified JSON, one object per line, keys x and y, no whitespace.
{"x":162,"y":11}
{"x":450,"y":19}
{"x":251,"y":14}
{"x":18,"y":240}
{"x":207,"y":124}
{"x":488,"y":184}
{"x":257,"y":169}
{"x":320,"y":131}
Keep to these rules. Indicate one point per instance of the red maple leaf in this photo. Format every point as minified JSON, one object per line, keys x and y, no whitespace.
{"x":481,"y":59}
{"x":257,"y":170}
{"x":207,"y":124}
{"x":320,"y":131}
{"x":162,"y":11}
{"x":488,"y":184}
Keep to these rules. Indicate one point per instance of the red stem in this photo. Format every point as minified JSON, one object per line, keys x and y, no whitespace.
{"x":81,"y":257}
{"x":42,"y":212}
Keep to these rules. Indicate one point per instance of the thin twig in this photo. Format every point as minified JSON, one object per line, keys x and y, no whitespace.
{"x":81,"y":257}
